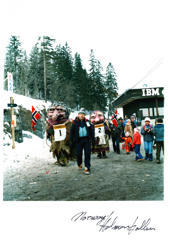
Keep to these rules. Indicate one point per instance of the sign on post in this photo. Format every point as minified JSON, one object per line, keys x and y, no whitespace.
{"x":14,"y":120}
{"x":10,"y":82}
{"x":12,"y":105}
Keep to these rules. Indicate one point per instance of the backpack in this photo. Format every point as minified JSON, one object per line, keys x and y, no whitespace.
{"x":149,"y":125}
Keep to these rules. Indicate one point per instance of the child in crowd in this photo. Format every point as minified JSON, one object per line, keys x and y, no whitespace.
{"x":128,"y":142}
{"x":137,"y":143}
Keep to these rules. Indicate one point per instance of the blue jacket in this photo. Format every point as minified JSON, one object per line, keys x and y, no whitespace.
{"x":148,"y":136}
{"x":158,"y":131}
{"x":74,"y":131}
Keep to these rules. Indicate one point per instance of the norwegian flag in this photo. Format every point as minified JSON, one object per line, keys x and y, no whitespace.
{"x":35,"y":117}
{"x":114,"y":119}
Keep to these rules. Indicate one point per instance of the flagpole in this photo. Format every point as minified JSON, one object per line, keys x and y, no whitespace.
{"x":43,"y":127}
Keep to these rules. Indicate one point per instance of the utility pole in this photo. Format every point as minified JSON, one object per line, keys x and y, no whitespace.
{"x":45,"y":97}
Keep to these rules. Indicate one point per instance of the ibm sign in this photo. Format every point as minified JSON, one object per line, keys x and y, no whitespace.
{"x":152,"y":92}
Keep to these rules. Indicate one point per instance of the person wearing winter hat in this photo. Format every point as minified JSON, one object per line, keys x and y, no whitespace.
{"x":147,"y":132}
{"x":137,"y":143}
{"x":158,"y":131}
{"x":128,"y":142}
{"x":81,"y":130}
{"x":128,"y":128}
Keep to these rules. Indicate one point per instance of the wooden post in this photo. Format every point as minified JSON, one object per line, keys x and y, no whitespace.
{"x":12,"y":129}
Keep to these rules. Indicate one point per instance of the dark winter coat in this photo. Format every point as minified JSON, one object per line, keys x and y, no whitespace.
{"x":148,"y":136}
{"x":158,"y":131}
{"x":115,"y":131}
{"x":121,"y":127}
{"x":74,"y":131}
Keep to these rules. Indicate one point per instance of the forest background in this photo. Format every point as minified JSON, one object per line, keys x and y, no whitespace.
{"x":51,"y":73}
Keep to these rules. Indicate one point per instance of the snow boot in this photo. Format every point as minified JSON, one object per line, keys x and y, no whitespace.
{"x":150,"y":157}
{"x":146,"y":157}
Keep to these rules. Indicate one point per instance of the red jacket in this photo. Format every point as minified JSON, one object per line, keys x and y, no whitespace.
{"x":136,"y":139}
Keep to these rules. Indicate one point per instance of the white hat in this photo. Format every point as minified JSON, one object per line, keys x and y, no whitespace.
{"x":136,"y":129}
{"x":127,"y":134}
{"x":147,"y":119}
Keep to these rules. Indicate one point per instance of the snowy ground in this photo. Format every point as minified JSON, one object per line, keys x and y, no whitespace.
{"x":29,"y":174}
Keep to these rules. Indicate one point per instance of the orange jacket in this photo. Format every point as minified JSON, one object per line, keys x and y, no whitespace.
{"x":128,"y":140}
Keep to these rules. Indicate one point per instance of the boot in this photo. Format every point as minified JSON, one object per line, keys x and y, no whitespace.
{"x":158,"y":161}
{"x":146,"y":157}
{"x":99,"y":155}
{"x":104,"y":155}
{"x":150,"y":157}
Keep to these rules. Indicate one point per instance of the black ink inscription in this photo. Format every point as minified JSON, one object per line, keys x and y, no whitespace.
{"x":108,"y":222}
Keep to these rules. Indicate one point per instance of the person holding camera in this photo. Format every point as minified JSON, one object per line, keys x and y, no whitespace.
{"x":147,"y":132}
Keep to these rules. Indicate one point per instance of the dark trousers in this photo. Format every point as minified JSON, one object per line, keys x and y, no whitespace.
{"x":83,"y":143}
{"x":159,"y":145}
{"x":137,"y":151}
{"x":116,"y":147}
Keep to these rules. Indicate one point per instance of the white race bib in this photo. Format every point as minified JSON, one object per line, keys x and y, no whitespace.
{"x":59,"y":132}
{"x":99,"y":130}
{"x":87,"y":124}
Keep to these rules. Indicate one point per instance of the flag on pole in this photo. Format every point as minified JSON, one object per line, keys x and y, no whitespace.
{"x":114,"y":118}
{"x":35,"y":117}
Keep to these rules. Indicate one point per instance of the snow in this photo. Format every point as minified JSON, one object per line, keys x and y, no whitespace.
{"x":26,"y":102}
{"x":30,"y":147}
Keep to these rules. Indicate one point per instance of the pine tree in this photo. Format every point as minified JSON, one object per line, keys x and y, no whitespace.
{"x":33,"y":72}
{"x":97,"y":88}
{"x":13,"y":56}
{"x":48,"y":54}
{"x":63,"y":75}
{"x":111,"y":87}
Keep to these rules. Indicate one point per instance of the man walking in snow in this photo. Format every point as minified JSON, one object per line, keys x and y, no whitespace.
{"x":81,"y":129}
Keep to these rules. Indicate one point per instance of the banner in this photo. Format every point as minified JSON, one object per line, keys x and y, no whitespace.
{"x":35,"y":117}
{"x":114,"y":119}
{"x":10,"y":82}
{"x":59,"y":132}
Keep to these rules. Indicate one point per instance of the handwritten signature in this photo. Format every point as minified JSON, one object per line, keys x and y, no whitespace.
{"x":109,"y":222}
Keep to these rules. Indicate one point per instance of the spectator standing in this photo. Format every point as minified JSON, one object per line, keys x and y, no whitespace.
{"x":133,"y":123}
{"x":147,"y":132}
{"x":120,"y":123}
{"x":137,"y":144}
{"x":81,"y":129}
{"x":128,"y":128}
{"x":158,"y":131}
{"x":115,"y":133}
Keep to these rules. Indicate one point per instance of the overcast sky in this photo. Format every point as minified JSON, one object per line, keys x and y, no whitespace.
{"x":128,"y":33}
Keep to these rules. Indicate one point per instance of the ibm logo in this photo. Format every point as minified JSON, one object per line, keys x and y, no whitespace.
{"x":151,"y":92}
